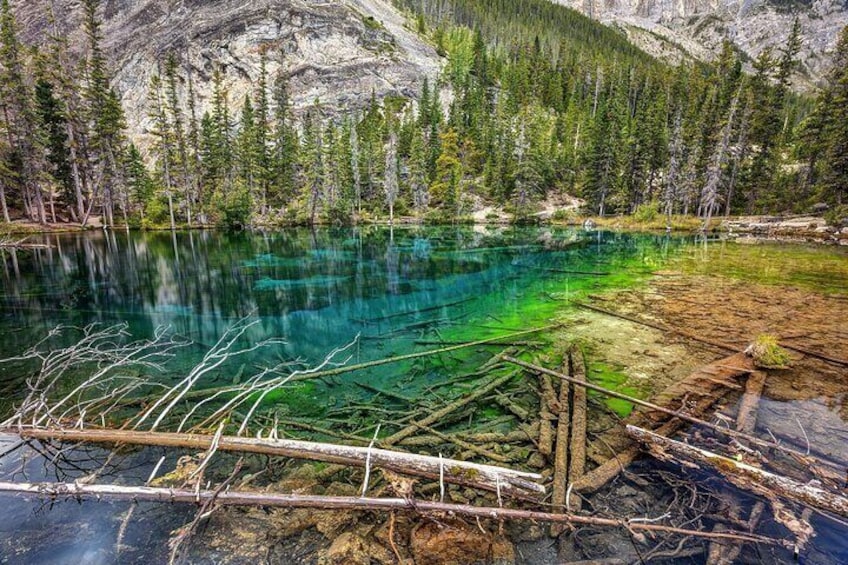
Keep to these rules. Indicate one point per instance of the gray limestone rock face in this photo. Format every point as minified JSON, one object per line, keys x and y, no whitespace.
{"x":674,"y":29}
{"x":335,"y":52}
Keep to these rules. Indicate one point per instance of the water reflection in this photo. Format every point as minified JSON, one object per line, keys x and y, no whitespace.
{"x":312,"y":287}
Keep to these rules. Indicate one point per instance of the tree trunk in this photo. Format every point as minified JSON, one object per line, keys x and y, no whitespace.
{"x":487,"y":477}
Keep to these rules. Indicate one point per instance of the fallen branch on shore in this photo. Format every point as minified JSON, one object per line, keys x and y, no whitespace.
{"x":486,"y":477}
{"x":246,"y":498}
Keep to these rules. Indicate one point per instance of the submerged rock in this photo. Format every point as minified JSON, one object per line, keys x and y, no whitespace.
{"x":457,"y":542}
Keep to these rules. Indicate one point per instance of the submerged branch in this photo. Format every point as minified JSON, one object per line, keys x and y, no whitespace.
{"x":242,"y":498}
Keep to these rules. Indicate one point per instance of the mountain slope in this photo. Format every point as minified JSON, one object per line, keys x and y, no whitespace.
{"x":697,"y":27}
{"x":335,"y":52}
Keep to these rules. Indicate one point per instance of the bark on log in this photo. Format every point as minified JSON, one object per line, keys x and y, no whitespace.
{"x":577,"y":449}
{"x":548,"y":406}
{"x":249,"y":498}
{"x":560,"y":484}
{"x":746,"y":420}
{"x":487,"y":477}
{"x":744,"y":476}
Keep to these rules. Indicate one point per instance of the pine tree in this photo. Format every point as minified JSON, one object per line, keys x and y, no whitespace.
{"x":710,"y":196}
{"x":262,"y":135}
{"x":182,"y":161}
{"x":834,"y":105}
{"x":105,"y":115}
{"x":19,"y":114}
{"x":285,"y":158}
{"x":417,"y":170}
{"x":165,"y":142}
{"x":445,"y":189}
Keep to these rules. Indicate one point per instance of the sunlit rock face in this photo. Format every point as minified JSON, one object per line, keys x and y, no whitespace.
{"x":676,"y":28}
{"x":338,"y":52}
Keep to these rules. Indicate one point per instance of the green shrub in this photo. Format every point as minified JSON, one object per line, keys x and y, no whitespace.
{"x":835,"y":215}
{"x":156,"y":212}
{"x":647,"y":212}
{"x":233,"y":208}
{"x":563,"y":215}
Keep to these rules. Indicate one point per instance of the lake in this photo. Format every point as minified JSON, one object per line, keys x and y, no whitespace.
{"x":383,"y":291}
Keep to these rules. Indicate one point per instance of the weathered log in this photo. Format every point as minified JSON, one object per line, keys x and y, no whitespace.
{"x":249,"y":498}
{"x":548,"y":406}
{"x":440,"y":414}
{"x":577,"y":449}
{"x":487,"y":477}
{"x":560,"y":484}
{"x":746,"y":419}
{"x":744,"y":476}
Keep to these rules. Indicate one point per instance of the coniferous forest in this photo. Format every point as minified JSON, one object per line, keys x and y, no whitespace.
{"x":535,"y":102}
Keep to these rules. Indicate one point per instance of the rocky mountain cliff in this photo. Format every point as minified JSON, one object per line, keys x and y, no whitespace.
{"x":338,"y":52}
{"x":677,"y":28}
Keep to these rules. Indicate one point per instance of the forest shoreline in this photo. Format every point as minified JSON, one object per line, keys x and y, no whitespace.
{"x":741,"y":229}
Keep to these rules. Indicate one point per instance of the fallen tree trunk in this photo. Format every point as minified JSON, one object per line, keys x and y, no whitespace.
{"x":744,"y":476}
{"x":746,"y":420}
{"x":486,"y":477}
{"x":577,"y":447}
{"x":560,"y":484}
{"x":247,"y":498}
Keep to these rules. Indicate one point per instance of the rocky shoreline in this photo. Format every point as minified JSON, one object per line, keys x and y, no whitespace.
{"x":789,"y":229}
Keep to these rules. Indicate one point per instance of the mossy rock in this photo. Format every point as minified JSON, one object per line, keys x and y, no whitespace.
{"x":768,"y":354}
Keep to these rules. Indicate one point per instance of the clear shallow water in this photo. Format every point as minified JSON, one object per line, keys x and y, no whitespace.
{"x":316,"y":289}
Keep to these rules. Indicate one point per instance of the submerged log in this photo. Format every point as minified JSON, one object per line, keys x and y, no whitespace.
{"x":560,"y":484}
{"x":744,"y":476}
{"x":746,"y":420}
{"x":548,"y":406}
{"x":440,"y":414}
{"x":577,"y":448}
{"x":249,"y":498}
{"x":702,"y":388}
{"x":487,"y":477}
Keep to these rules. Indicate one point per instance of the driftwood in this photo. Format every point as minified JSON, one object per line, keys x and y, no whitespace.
{"x":440,"y":414}
{"x":249,"y":498}
{"x":741,"y":474}
{"x":577,"y":447}
{"x":560,"y":484}
{"x":486,"y":477}
{"x":746,"y":419}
